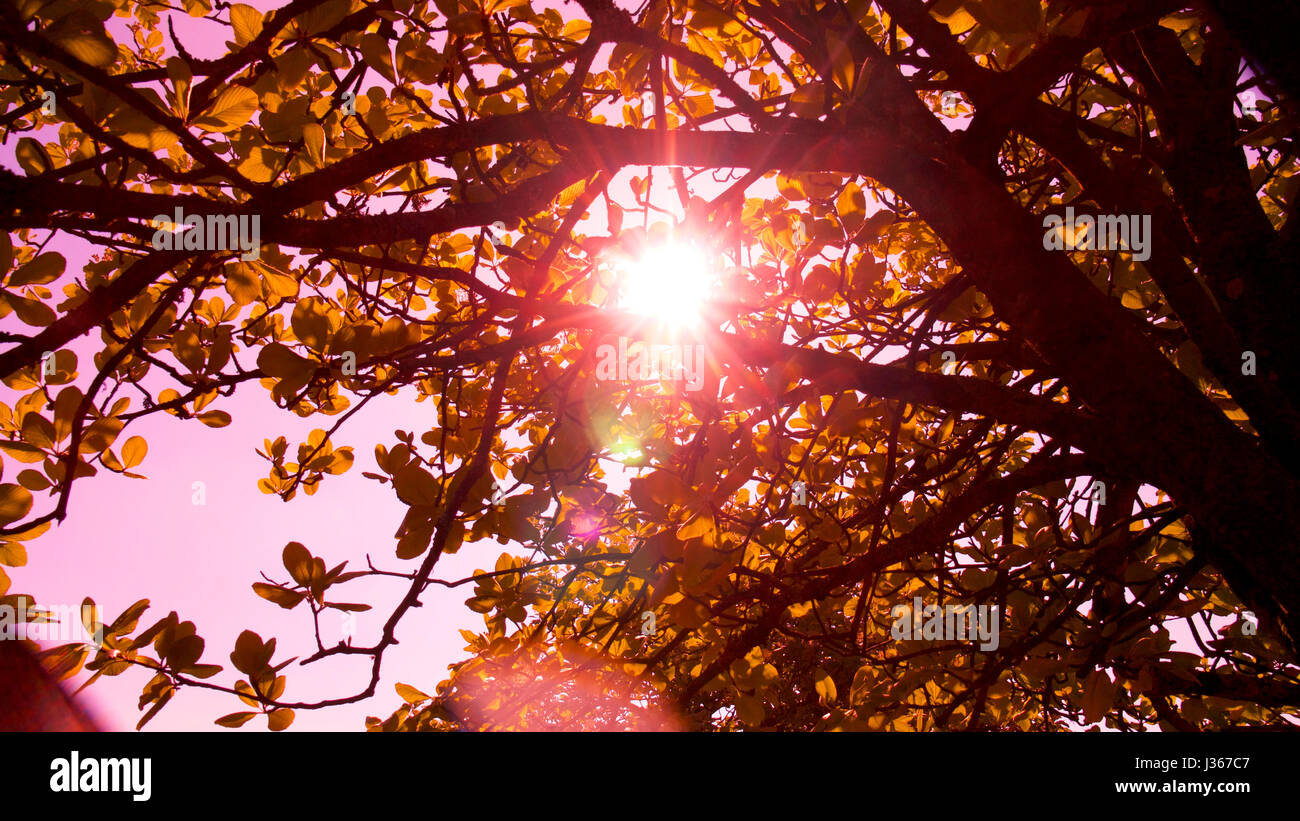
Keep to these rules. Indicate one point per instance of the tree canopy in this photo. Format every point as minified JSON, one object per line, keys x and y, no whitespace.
{"x":916,"y":380}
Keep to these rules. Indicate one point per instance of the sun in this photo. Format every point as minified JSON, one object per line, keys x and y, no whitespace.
{"x":671,"y":283}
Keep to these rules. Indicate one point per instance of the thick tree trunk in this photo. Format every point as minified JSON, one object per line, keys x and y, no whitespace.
{"x":1165,"y":431}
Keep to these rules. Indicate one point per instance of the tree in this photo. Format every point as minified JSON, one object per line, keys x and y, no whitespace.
{"x":924,"y":380}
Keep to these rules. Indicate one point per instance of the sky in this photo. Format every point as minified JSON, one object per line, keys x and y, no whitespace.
{"x":128,"y":539}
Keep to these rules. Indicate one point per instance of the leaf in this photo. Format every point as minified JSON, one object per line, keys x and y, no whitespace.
{"x":825,"y":687}
{"x":790,"y":188}
{"x":749,"y":709}
{"x":820,"y":284}
{"x":280,"y":719}
{"x":278,"y":361}
{"x":247,"y":23}
{"x":101,"y":434}
{"x":141,"y":131}
{"x":133,"y":452}
{"x":701,"y":525}
{"x":13,"y":554}
{"x":874,"y":225}
{"x":23,"y":452}
{"x":416,"y":60}
{"x":33,"y":480}
{"x":188,"y":348}
{"x":481,"y":604}
{"x":613,"y":217}
{"x":153,"y":711}
{"x":243,"y":284}
{"x":203,"y":670}
{"x":1098,"y":696}
{"x":178,"y":72}
{"x":250,"y":655}
{"x":126,"y":622}
{"x":235,"y":719}
{"x":32,"y":157}
{"x":465,"y":23}
{"x":416,"y":486}
{"x":348,"y":607}
{"x":262,"y":164}
{"x":288,"y":599}
{"x":42,"y":269}
{"x":30,"y":311}
{"x":26,"y":534}
{"x":313,"y":139}
{"x":82,"y":35}
{"x":664,"y":488}
{"x":65,"y":410}
{"x":851,"y":206}
{"x":378,"y":55}
{"x":184,"y":652}
{"x":215,"y":419}
{"x":233,"y":108}
{"x":15,"y":503}
{"x":148,"y":635}
{"x":89,"y":614}
{"x":299,"y":562}
{"x":311,"y":323}
{"x":958,"y":20}
{"x":415,"y":541}
{"x":808,"y":101}
{"x":843,"y":69}
{"x":340,"y":461}
{"x":410,"y":694}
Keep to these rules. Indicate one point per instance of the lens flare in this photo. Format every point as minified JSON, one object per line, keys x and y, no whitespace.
{"x":670,"y":283}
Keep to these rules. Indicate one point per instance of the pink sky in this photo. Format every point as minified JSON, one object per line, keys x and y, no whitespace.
{"x":128,"y":539}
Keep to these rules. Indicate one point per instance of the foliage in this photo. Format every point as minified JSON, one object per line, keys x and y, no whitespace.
{"x":894,"y":333}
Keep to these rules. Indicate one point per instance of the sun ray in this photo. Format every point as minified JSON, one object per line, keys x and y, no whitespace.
{"x":669,"y":283}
